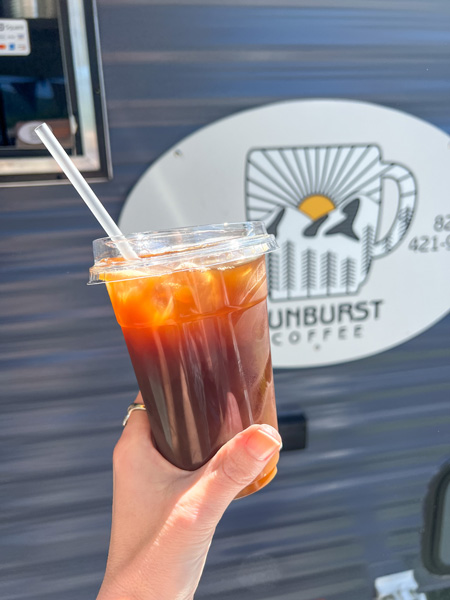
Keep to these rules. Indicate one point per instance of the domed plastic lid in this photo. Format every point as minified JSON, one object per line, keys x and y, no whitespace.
{"x":184,"y":249}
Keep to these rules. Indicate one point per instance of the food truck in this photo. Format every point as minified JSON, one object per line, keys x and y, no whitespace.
{"x":328,"y":122}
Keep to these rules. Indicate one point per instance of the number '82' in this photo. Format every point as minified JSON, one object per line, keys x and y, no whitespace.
{"x":442,"y":223}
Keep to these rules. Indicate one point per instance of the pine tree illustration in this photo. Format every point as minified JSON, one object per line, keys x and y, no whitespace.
{"x":308,"y":270}
{"x":405,"y":218}
{"x":273,"y":271}
{"x":288,"y":267}
{"x":348,"y":274}
{"x":328,"y":271}
{"x":367,"y":248}
{"x":387,"y":243}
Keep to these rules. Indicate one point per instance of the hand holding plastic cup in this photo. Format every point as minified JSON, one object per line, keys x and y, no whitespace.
{"x":193,"y":313}
{"x":192,"y":306}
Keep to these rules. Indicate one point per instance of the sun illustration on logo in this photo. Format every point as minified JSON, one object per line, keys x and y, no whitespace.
{"x":316,"y":206}
{"x":323,"y":205}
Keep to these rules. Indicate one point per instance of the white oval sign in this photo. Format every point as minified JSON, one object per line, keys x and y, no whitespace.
{"x":356,"y":195}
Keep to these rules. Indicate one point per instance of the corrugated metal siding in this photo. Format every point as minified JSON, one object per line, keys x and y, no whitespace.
{"x":339,"y":514}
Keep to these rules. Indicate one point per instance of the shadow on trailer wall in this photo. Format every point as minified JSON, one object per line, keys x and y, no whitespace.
{"x":350,"y":509}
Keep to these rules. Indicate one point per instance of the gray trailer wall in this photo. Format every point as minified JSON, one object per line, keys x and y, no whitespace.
{"x":339,"y":514}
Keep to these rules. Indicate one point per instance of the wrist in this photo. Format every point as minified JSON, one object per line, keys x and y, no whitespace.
{"x":112,"y":592}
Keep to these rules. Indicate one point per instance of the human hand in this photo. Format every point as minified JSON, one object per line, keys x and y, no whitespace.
{"x":164,"y":518}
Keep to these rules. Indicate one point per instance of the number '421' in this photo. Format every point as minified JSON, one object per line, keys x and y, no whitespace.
{"x":426,"y":243}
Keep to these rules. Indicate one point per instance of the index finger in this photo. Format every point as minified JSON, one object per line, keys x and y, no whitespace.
{"x":137,"y":420}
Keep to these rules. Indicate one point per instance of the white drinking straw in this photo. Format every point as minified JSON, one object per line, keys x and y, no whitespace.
{"x":79,"y":183}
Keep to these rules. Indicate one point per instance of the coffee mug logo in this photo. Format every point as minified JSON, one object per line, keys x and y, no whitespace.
{"x":356,"y":195}
{"x":323,"y":203}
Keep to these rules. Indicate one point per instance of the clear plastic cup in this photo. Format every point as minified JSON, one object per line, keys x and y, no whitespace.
{"x":194,"y":316}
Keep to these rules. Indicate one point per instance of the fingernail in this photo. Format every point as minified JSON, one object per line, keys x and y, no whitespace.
{"x":264,"y":442}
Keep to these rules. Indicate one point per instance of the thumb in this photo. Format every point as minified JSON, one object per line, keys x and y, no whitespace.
{"x":237,"y":464}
